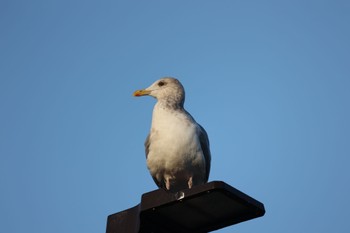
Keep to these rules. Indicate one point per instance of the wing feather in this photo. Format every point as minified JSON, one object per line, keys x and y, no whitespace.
{"x":147,"y":146}
{"x":204,"y":141}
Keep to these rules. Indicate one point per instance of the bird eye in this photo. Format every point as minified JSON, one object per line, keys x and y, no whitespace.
{"x":161,"y":83}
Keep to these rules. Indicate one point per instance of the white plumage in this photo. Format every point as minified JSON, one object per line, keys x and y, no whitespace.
{"x":177,"y":148}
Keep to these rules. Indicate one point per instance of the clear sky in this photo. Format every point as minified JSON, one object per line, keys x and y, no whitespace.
{"x":268,"y":80}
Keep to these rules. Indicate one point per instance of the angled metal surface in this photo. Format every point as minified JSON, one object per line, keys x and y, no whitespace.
{"x":203,"y":208}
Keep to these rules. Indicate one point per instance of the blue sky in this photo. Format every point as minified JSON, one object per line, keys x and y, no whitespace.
{"x":268,"y":80}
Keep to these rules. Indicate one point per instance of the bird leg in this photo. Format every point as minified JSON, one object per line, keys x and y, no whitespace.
{"x":167,"y":183}
{"x":190,"y":183}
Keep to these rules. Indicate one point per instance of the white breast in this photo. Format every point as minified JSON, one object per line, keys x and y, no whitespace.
{"x":175,"y":145}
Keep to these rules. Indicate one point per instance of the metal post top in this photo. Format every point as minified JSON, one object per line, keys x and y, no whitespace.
{"x":203,"y":208}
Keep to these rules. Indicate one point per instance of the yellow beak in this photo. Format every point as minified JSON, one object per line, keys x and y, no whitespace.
{"x":141,"y":92}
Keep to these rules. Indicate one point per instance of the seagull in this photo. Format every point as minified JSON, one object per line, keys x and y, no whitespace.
{"x":177,"y":147}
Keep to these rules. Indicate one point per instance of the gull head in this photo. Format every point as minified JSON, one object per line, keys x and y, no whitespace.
{"x":168,"y":90}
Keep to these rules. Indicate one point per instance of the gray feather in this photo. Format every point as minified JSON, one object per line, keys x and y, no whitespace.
{"x":204,"y":141}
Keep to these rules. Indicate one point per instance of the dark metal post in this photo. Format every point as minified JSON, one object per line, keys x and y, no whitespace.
{"x":203,"y":208}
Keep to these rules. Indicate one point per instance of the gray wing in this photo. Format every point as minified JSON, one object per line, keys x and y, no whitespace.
{"x":147,"y":145}
{"x":204,"y":141}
